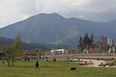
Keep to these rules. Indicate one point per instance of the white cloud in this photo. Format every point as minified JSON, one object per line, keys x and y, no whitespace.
{"x":12,"y":11}
{"x":97,"y":6}
{"x":49,"y":6}
{"x":81,"y":16}
{"x":15,"y":10}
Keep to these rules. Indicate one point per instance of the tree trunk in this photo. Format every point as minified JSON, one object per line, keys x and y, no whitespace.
{"x":9,"y":58}
{"x":8,"y":62}
{"x":12,"y":61}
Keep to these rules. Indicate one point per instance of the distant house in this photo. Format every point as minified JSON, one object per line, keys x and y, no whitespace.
{"x":106,"y":41}
{"x":58,"y":51}
{"x":103,"y":40}
{"x":110,"y":41}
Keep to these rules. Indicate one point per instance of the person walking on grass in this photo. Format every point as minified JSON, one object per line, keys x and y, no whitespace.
{"x":37,"y":65}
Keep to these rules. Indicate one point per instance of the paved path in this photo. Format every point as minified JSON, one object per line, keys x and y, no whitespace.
{"x":86,"y":56}
{"x":96,"y":63}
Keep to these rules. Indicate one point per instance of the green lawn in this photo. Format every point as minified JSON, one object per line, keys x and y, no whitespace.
{"x":51,"y":69}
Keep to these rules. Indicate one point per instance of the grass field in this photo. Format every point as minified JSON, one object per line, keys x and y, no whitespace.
{"x":60,"y":68}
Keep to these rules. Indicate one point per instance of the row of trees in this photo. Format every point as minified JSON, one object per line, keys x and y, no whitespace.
{"x":86,"y":42}
{"x":35,"y":52}
{"x":14,"y":50}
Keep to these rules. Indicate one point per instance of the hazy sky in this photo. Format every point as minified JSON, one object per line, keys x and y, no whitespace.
{"x":12,"y":11}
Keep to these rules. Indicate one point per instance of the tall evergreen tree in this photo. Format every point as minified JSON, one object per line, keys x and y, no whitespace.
{"x":92,"y":39}
{"x":80,"y":41}
{"x":86,"y":40}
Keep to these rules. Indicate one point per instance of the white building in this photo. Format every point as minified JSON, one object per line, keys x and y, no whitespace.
{"x":110,"y":41}
{"x":62,"y":51}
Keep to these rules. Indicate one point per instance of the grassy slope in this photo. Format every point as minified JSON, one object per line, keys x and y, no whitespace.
{"x":50,"y":69}
{"x":60,"y":41}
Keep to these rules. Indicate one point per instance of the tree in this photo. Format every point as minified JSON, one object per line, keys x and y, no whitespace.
{"x":33,"y":53}
{"x":86,"y":40}
{"x":91,"y":39}
{"x":80,"y":41}
{"x":17,"y":47}
{"x":40,"y":52}
{"x":80,"y":48}
{"x":14,"y":50}
{"x":2,"y":51}
{"x":9,"y":50}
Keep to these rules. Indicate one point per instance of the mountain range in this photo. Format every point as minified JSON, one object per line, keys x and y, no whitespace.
{"x":54,"y":28}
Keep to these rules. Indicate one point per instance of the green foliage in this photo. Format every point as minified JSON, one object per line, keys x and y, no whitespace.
{"x":86,"y":42}
{"x":92,"y":39}
{"x":80,"y":41}
{"x":86,"y":39}
{"x":40,"y":52}
{"x":14,"y":49}
{"x":60,"y":41}
{"x":26,"y":45}
{"x":2,"y":50}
